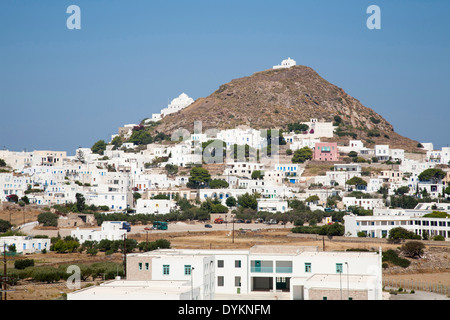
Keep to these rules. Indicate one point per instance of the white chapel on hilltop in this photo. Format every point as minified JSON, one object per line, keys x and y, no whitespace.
{"x":287,"y":63}
{"x":177,"y":104}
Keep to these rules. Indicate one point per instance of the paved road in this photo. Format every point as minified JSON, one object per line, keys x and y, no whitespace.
{"x":418,"y":295}
{"x":173,"y":227}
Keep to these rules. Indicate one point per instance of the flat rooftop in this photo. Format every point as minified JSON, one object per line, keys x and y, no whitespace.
{"x":135,"y":289}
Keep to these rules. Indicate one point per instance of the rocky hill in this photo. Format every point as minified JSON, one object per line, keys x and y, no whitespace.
{"x":272,"y":99}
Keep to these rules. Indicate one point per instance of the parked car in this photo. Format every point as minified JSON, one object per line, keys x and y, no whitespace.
{"x":208,"y":226}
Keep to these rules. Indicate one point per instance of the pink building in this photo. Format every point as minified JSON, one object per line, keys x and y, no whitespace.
{"x":325,"y":151}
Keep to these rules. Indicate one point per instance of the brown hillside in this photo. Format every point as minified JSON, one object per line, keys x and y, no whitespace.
{"x":274,"y":98}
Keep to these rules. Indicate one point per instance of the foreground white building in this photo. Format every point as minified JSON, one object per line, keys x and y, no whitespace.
{"x":299,"y":271}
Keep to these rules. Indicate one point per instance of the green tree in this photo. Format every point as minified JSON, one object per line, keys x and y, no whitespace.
{"x":301,"y":155}
{"x":219,"y":208}
{"x":356,"y":181}
{"x":218,"y":184}
{"x":199,"y":177}
{"x":231,"y":201}
{"x":136,"y":195}
{"x":400,"y":233}
{"x":405,"y":202}
{"x":99,"y":147}
{"x":117,"y":142}
{"x":80,"y":202}
{"x":297,"y":127}
{"x":2,"y":163}
{"x":140,"y":137}
{"x":171,"y":168}
{"x":447,"y":191}
{"x":248,"y":201}
{"x":437,"y":214}
{"x":257,"y":175}
{"x":402,"y":190}
{"x":432,"y":174}
{"x":312,"y":198}
{"x":48,"y":219}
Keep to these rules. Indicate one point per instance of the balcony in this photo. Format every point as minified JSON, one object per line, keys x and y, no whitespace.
{"x":261,"y":269}
{"x":258,"y":266}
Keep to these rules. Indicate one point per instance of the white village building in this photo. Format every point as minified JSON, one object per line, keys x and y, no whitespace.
{"x":110,"y":230}
{"x":177,"y":104}
{"x":287,"y":63}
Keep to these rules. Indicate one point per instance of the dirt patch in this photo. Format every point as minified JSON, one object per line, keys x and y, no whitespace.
{"x":17,"y":215}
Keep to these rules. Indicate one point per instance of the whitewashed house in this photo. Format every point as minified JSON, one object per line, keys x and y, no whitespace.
{"x":110,"y":230}
{"x":287,"y":63}
{"x":25,"y":244}
{"x":272,"y":205}
{"x":154,"y":206}
{"x":367,"y":204}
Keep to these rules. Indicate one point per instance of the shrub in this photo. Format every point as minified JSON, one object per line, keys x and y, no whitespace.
{"x":23,"y":263}
{"x":46,"y":274}
{"x":5,"y":225}
{"x":401,"y":233}
{"x":392,"y":256}
{"x":413,"y":249}
{"x":361,"y":234}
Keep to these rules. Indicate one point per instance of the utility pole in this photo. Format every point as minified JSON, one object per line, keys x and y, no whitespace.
{"x":125,"y":256}
{"x":4,"y":278}
{"x":233,"y":229}
{"x":348,"y":286}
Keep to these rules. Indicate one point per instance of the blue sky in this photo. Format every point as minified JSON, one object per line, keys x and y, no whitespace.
{"x":61,"y":89}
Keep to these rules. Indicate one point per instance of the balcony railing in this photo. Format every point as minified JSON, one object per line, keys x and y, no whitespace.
{"x":261,"y":269}
{"x":270,"y":269}
{"x":284,"y":269}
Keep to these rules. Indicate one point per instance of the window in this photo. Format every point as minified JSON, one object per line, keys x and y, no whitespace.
{"x":166,"y":269}
{"x":237,"y":281}
{"x":187,"y":269}
{"x":307,"y":267}
{"x":237,"y":263}
{"x":339,"y":268}
{"x":147,"y":266}
{"x":140,"y":266}
{"x":219,"y":263}
{"x":220,"y":281}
